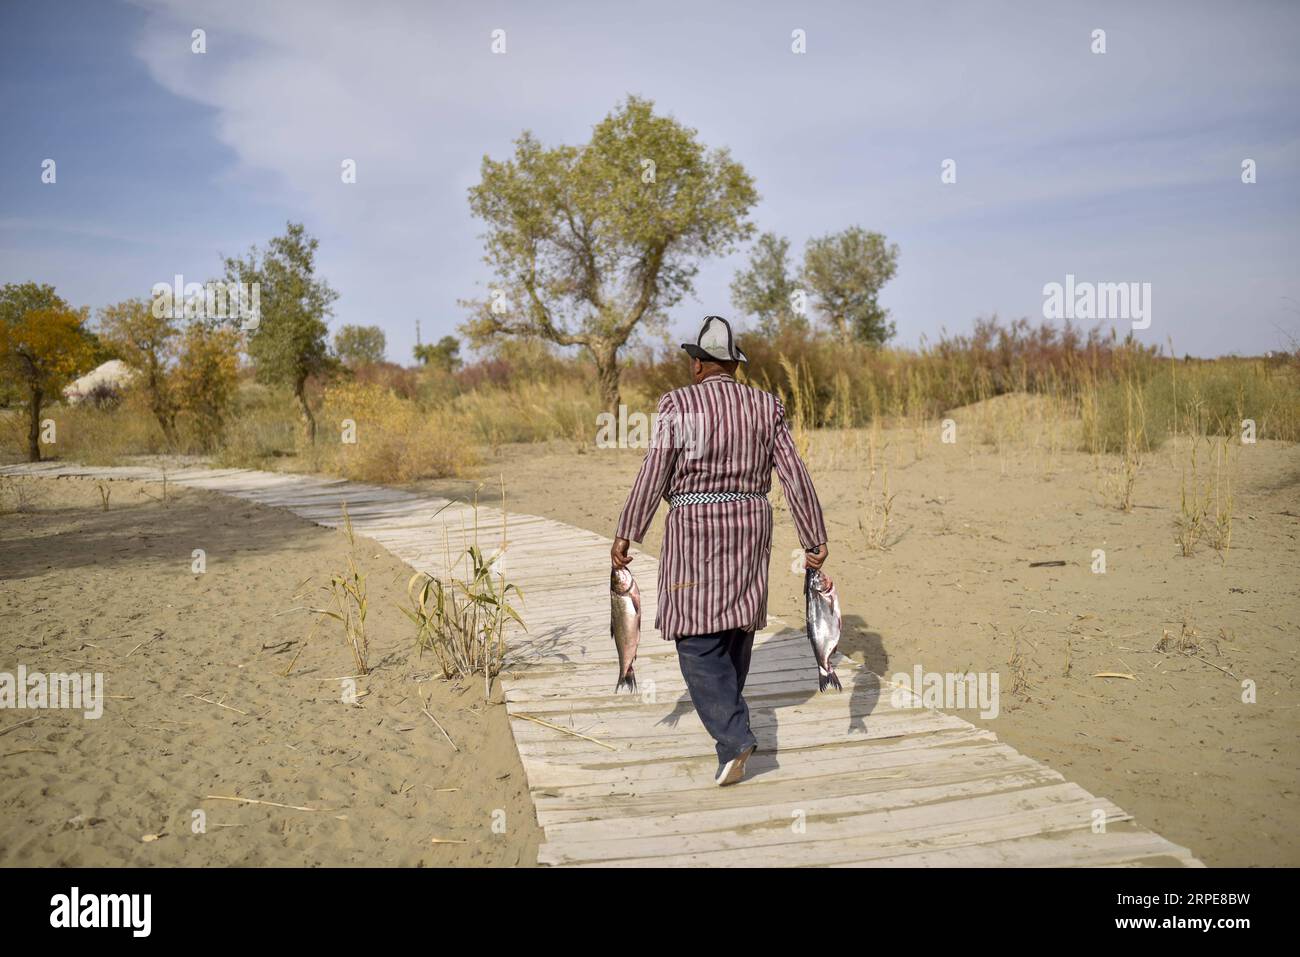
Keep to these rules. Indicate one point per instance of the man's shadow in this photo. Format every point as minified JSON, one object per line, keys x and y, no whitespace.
{"x":768,"y":693}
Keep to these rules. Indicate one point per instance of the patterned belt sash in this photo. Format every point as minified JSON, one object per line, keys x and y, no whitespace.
{"x":708,"y":498}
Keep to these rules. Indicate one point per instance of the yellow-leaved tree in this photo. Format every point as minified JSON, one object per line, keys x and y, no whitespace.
{"x":41,"y":349}
{"x":205,"y":379}
{"x":146,"y":339}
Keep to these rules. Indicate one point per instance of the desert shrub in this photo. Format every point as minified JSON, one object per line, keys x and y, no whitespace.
{"x":393,"y":439}
{"x":13,"y":435}
{"x":435,"y":386}
{"x":511,"y":361}
{"x":103,"y":396}
{"x":204,"y":382}
{"x":533,"y":412}
{"x":102,"y":436}
{"x":463,"y":620}
{"x":19,"y":494}
{"x":263,"y":425}
{"x":402,"y":382}
{"x":1193,"y":397}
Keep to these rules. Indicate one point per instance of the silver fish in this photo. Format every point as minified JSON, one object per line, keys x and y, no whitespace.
{"x":624,"y":623}
{"x":823,"y":623}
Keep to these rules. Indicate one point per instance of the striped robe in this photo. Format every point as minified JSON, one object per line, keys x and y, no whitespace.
{"x":713,"y":565}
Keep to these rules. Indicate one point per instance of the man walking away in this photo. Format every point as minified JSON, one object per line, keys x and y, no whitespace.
{"x":715,"y":445}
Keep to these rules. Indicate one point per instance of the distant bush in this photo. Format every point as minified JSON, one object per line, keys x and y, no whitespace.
{"x":850,"y":384}
{"x":103,"y":435}
{"x":204,"y":383}
{"x":393,"y":439}
{"x":262,"y":426}
{"x":429,"y":421}
{"x":1196,"y":397}
{"x":534,"y":412}
{"x":403,"y":382}
{"x":103,"y":396}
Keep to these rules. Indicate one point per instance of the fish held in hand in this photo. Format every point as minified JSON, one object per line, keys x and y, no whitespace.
{"x":624,"y":623}
{"x":823,"y":609}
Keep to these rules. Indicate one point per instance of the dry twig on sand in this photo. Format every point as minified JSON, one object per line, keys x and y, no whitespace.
{"x":217,"y":703}
{"x":556,"y":727}
{"x":424,"y":706}
{"x":18,"y":725}
{"x":288,"y":807}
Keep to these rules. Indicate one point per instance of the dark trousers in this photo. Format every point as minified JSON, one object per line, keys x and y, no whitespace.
{"x":715,"y":667}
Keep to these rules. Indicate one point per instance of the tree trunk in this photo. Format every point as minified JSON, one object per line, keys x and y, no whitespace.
{"x":308,"y":420}
{"x":166,"y":416}
{"x":34,"y":426}
{"x":163,"y":408}
{"x":607,"y":375}
{"x":842,"y":330}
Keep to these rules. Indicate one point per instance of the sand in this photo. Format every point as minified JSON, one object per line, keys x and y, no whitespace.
{"x":84,"y":589}
{"x":1176,"y":746}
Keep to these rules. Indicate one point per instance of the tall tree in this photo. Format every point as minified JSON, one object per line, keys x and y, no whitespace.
{"x":445,"y":354}
{"x":42,"y":348}
{"x":589,"y":242}
{"x":288,"y":345}
{"x":145,"y":338}
{"x":845,"y":271}
{"x":360,"y":345}
{"x":766,"y":289}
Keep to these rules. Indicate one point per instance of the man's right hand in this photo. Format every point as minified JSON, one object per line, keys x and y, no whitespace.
{"x":813,"y":558}
{"x":618,"y":555}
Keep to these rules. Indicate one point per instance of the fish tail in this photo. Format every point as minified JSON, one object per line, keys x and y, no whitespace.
{"x":628,"y":680}
{"x":829,"y":679}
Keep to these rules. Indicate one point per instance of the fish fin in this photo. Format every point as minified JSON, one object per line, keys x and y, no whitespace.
{"x":628,"y":680}
{"x":830,"y":679}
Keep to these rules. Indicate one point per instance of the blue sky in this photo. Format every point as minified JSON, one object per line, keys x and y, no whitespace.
{"x":1121,"y":167}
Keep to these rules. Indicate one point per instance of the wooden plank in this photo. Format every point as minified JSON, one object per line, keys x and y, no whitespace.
{"x":799,"y":789}
{"x":857,"y":836}
{"x":562,"y":748}
{"x":1079,"y":848}
{"x":661,"y":778}
{"x":691,"y":822}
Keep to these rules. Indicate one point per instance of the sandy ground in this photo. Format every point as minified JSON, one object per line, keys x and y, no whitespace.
{"x":83,"y":589}
{"x":954,"y":592}
{"x":1175,"y":744}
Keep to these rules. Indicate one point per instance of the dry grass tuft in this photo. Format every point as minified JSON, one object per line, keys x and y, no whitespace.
{"x":876,"y":528}
{"x":462,"y":620}
{"x":348,"y":602}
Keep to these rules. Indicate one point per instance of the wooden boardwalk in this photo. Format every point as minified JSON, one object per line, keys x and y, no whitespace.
{"x":839,"y":779}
